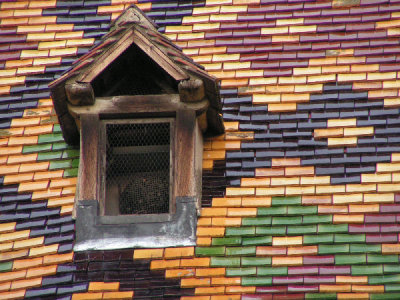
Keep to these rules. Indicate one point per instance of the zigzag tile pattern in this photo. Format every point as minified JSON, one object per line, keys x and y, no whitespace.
{"x":301,"y":195}
{"x":38,"y":41}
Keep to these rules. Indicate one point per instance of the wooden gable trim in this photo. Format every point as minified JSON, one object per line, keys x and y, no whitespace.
{"x":132,"y":36}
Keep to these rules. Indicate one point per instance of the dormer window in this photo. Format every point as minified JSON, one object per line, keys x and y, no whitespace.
{"x":138,"y":171}
{"x":139,"y":108}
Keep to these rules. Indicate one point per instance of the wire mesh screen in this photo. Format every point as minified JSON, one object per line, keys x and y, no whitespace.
{"x":138,"y":167}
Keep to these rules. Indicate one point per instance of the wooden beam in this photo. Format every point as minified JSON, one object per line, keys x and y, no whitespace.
{"x":139,"y":105}
{"x":88,"y":165}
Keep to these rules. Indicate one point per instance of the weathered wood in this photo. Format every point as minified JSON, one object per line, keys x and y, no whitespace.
{"x":202,"y":121}
{"x":214,"y":121}
{"x":67,"y":122}
{"x":138,"y":105}
{"x":106,"y":58}
{"x":185,"y":145}
{"x":79,"y":93}
{"x":191,"y":90}
{"x":88,"y":166}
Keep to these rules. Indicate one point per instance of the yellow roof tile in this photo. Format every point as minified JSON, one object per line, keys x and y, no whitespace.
{"x":23,"y":140}
{"x":41,"y":271}
{"x":67,"y":200}
{"x":22,"y":158}
{"x":43,"y":250}
{"x":52,"y":44}
{"x":42,"y":4}
{"x":19,"y":63}
{"x":66,"y":210}
{"x":38,"y":195}
{"x":43,"y":20}
{"x":14,"y":21}
{"x":27,"y":12}
{"x":27,"y":283}
{"x":63,"y":52}
{"x":27,"y":263}
{"x":31,"y":70}
{"x":60,"y":27}
{"x":103,"y":286}
{"x":8,"y":81}
{"x":28,"y":243}
{"x":58,"y":258}
{"x":13,"y":255}
{"x":80,"y":42}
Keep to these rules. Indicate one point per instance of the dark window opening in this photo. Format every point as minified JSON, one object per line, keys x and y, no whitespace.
{"x":138,"y":167}
{"x":133,"y":73}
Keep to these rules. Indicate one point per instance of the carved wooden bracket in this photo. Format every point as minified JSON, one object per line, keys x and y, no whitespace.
{"x":79,"y":93}
{"x":191,"y":90}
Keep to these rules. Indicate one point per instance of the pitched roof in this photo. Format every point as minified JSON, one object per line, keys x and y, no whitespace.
{"x":132,"y":28}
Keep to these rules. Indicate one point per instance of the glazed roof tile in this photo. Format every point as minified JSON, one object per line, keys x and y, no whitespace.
{"x":280,"y":96}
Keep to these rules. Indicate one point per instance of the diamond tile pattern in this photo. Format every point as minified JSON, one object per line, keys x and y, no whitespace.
{"x":301,"y":195}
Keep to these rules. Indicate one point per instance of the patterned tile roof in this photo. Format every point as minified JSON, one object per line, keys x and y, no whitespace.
{"x":300,"y":195}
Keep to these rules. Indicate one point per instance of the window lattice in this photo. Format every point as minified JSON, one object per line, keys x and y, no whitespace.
{"x":138,"y":167}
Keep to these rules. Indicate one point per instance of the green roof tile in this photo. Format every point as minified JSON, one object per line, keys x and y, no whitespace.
{"x":261,"y":240}
{"x":50,"y":138}
{"x":56,"y":128}
{"x":378,"y":258}
{"x":318,"y":239}
{"x":351,"y":259}
{"x":271,"y":271}
{"x":36,"y":148}
{"x":286,"y":220}
{"x":323,"y":296}
{"x":390,"y":296}
{"x":384,"y":279}
{"x":49,"y":155}
{"x":286,"y":200}
{"x":364,"y":248}
{"x":6,"y":266}
{"x":366,"y":270}
{"x":226,"y":241}
{"x":332,"y":228}
{"x":256,"y":221}
{"x":60,"y":164}
{"x":61,"y":146}
{"x":75,"y":163}
{"x":70,"y":153}
{"x":240,"y":271}
{"x":392,"y":287}
{"x":254,"y":281}
{"x":272,"y":211}
{"x":302,"y":229}
{"x":302,"y":210}
{"x":225,"y":261}
{"x":391,"y":268}
{"x":236,"y":251}
{"x":210,"y":251}
{"x":240,"y":231}
{"x":71,"y":172}
{"x":256,"y":261}
{"x":317,"y":219}
{"x":332,"y":249}
{"x":349,"y":238}
{"x":275,"y":230}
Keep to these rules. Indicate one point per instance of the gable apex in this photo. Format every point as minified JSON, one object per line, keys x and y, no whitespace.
{"x":133,"y":58}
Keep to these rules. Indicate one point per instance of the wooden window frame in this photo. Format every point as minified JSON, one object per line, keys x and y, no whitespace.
{"x":114,"y":219}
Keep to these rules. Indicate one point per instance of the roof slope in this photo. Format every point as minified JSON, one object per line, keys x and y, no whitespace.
{"x":301,"y":195}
